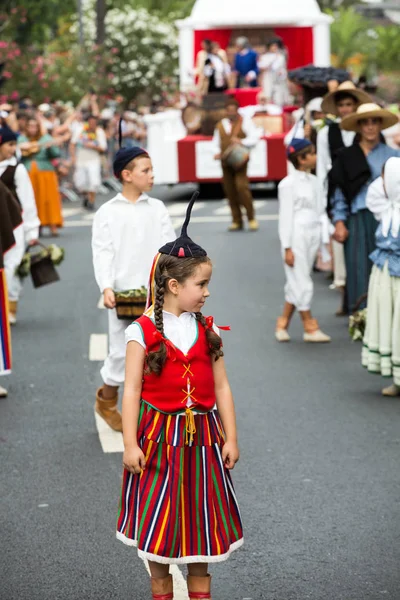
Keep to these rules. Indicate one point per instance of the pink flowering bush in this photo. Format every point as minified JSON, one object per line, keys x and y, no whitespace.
{"x":56,"y":75}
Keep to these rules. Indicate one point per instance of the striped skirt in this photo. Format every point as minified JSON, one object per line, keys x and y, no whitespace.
{"x":5,"y":334}
{"x":381,"y":344}
{"x":358,"y":247}
{"x":182,"y":508}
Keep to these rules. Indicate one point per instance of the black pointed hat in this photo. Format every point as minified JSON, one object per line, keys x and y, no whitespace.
{"x":183,"y":246}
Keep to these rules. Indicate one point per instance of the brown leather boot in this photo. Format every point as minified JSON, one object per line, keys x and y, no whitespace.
{"x":199,"y":587}
{"x":162,"y":589}
{"x":107,"y":409}
{"x":12,"y":311}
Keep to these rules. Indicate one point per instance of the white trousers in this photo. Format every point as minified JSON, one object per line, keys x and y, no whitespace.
{"x":12,"y":260}
{"x":87,"y":177}
{"x":299,"y":284}
{"x":113,"y":370}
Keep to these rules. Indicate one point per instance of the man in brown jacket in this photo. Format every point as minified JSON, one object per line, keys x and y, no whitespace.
{"x":230,"y":131}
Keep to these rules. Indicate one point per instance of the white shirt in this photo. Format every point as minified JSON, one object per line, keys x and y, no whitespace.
{"x":249,"y":129}
{"x":87,"y":155}
{"x":301,"y":201}
{"x":324,"y":161}
{"x":181,"y":331}
{"x":26,"y":197}
{"x":125,"y":238}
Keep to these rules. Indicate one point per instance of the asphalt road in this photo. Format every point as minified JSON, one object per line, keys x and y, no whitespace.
{"x":318,"y":479}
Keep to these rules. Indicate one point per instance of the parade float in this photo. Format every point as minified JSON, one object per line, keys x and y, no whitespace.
{"x":178,"y":154}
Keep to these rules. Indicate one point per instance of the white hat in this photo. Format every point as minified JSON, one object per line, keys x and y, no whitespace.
{"x":329,"y":101}
{"x":44,"y":107}
{"x":315,"y":105}
{"x":106,"y":114}
{"x":130,"y":115}
{"x":369,"y":110}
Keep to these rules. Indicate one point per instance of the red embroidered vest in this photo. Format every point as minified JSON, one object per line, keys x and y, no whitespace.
{"x":184,"y":376}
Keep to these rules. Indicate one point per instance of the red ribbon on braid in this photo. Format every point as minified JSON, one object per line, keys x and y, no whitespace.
{"x":210,"y":324}
{"x":157,"y":339}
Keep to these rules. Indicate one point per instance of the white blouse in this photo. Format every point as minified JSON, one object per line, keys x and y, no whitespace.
{"x":181,"y":331}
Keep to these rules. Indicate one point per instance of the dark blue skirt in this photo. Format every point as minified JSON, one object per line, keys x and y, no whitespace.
{"x":359,"y":245}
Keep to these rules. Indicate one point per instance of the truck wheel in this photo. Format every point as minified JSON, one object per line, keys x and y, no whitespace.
{"x":211,"y":191}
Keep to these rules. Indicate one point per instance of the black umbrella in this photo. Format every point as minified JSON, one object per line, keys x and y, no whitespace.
{"x":314,"y":80}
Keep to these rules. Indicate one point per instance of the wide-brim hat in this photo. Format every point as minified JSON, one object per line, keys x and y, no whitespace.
{"x":370,"y":110}
{"x":329,"y":102}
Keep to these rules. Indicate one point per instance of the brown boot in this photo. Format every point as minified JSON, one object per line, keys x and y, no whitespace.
{"x":107,"y":409}
{"x":162,"y":589}
{"x":199,"y":587}
{"x":12,"y":311}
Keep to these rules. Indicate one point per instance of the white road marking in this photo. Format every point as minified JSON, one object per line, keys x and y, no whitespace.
{"x":77,"y":224}
{"x":222,"y":219}
{"x":223,"y":210}
{"x":89,"y":217}
{"x":178,"y":209}
{"x":110,"y":440}
{"x":71,"y":212}
{"x":176,"y":222}
{"x":98,"y":346}
{"x":259,"y":203}
{"x":180,"y":587}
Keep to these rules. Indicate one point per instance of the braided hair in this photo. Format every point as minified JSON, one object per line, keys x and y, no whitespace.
{"x":171,"y":267}
{"x":213,"y":340}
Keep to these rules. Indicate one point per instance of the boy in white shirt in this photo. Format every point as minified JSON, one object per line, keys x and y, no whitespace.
{"x":301,"y":212}
{"x":128,"y":230}
{"x":15,"y":176}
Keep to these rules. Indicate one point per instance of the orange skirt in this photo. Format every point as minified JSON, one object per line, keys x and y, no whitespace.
{"x":47,"y":196}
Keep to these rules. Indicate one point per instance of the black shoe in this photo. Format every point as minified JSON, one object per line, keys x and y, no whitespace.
{"x":89,"y":206}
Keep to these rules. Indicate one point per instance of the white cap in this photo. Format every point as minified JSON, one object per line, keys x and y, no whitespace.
{"x":44,"y":107}
{"x":106,"y":114}
{"x":315,"y":105}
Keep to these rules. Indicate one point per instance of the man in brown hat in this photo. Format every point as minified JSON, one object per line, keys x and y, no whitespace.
{"x":340,"y":103}
{"x":354,"y":169}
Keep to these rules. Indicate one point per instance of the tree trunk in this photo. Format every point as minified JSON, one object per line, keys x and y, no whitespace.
{"x":101,"y":11}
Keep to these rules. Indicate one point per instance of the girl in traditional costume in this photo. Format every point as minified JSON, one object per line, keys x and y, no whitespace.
{"x":15,"y":177}
{"x":178,"y":505}
{"x":38,"y":151}
{"x":381,"y":347}
{"x":353,"y":170}
{"x":10,"y":220}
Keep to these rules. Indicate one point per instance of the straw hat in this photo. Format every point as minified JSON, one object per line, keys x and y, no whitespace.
{"x":329,"y":102}
{"x":369,"y":111}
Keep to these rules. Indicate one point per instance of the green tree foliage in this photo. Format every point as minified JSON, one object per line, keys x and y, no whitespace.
{"x":335,"y":4}
{"x":167,"y":9}
{"x":387,"y":48}
{"x":33,"y":22}
{"x":350,"y":36}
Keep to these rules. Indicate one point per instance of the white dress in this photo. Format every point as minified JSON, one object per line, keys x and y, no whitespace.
{"x":381,"y":343}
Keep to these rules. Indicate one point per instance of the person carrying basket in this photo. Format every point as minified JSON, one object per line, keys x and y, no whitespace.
{"x":127,"y":232}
